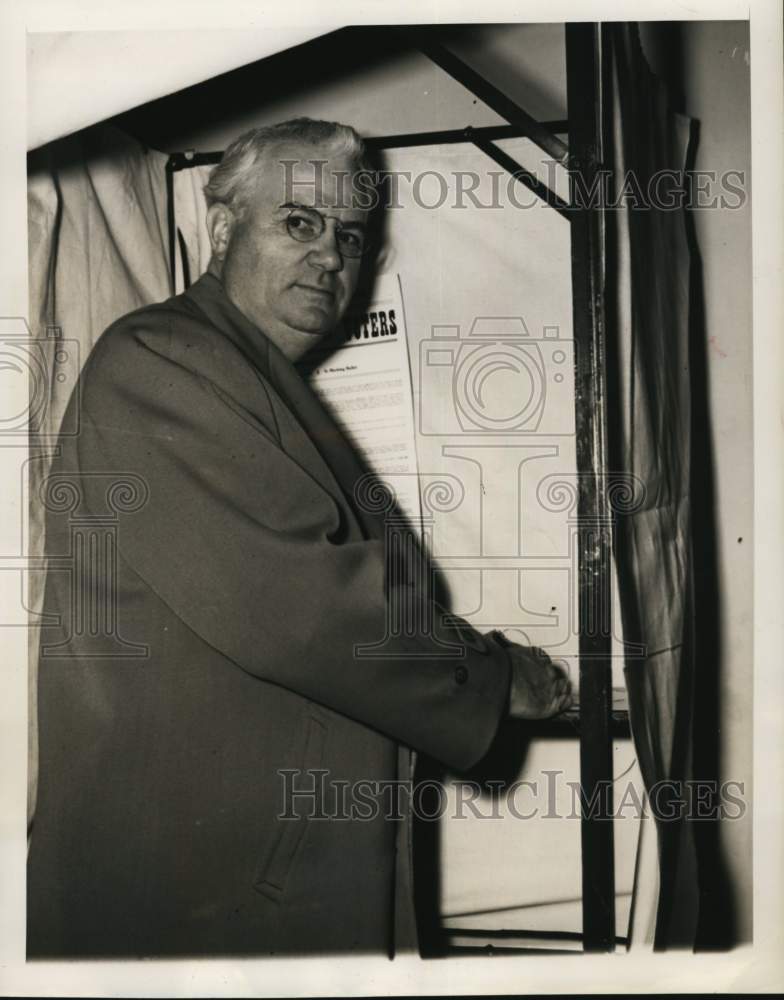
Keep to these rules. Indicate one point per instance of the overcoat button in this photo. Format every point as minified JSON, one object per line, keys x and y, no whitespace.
{"x":461,"y":675}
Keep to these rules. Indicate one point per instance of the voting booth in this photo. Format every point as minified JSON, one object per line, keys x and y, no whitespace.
{"x":516,"y":372}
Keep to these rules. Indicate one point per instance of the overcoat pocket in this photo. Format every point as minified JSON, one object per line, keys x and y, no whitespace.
{"x":273,"y":872}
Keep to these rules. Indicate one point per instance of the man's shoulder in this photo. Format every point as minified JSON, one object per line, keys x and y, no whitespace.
{"x":167,"y":335}
{"x":169,"y":329}
{"x":172,"y":355}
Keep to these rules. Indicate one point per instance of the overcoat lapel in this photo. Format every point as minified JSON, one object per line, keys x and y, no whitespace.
{"x":324,"y":450}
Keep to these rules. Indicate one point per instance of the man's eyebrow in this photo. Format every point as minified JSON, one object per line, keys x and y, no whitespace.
{"x":351,"y":224}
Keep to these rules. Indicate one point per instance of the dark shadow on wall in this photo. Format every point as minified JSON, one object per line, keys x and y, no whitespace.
{"x":357,"y":58}
{"x":717,"y":927}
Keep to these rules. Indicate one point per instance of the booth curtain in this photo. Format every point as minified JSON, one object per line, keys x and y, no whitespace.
{"x":97,"y":241}
{"x":648,"y":266}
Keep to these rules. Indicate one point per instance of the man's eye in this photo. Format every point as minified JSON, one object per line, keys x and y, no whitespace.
{"x":351,"y":241}
{"x":304,"y":226}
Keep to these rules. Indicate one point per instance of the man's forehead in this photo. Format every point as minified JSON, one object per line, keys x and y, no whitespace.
{"x":307,"y":174}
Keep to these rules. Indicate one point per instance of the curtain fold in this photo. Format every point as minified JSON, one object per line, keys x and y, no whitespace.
{"x":97,"y":242}
{"x":648,"y":268}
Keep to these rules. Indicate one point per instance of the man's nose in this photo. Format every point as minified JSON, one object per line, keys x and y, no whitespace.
{"x":324,"y":252}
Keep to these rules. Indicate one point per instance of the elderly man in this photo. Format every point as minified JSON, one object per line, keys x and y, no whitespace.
{"x":248,"y":575}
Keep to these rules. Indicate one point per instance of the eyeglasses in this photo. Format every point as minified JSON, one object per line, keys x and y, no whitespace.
{"x":307,"y":224}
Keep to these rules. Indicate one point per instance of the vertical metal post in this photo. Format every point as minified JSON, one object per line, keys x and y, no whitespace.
{"x":583,"y":50}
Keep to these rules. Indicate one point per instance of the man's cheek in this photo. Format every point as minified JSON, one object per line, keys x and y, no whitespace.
{"x":341,"y":303}
{"x":348,"y":287}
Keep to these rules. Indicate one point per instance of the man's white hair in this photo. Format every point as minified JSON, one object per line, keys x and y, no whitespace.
{"x":233,"y":181}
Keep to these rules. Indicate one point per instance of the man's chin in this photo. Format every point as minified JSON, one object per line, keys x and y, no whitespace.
{"x":315,"y":332}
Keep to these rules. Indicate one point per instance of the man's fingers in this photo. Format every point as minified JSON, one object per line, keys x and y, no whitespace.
{"x":540,"y":687}
{"x":559,"y":677}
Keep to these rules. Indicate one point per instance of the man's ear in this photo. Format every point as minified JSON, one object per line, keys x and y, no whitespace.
{"x":220,"y":225}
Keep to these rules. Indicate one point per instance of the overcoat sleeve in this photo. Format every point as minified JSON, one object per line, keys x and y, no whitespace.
{"x":244,"y":544}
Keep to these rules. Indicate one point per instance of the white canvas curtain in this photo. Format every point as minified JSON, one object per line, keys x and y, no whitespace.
{"x":97,"y":244}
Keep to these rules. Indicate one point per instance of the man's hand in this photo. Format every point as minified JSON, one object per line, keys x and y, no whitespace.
{"x":539,"y":688}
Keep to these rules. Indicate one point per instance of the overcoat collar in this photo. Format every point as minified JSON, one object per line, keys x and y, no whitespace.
{"x":340,"y":465}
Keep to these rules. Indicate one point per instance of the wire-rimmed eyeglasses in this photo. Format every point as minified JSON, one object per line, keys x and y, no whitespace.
{"x":307,"y":224}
